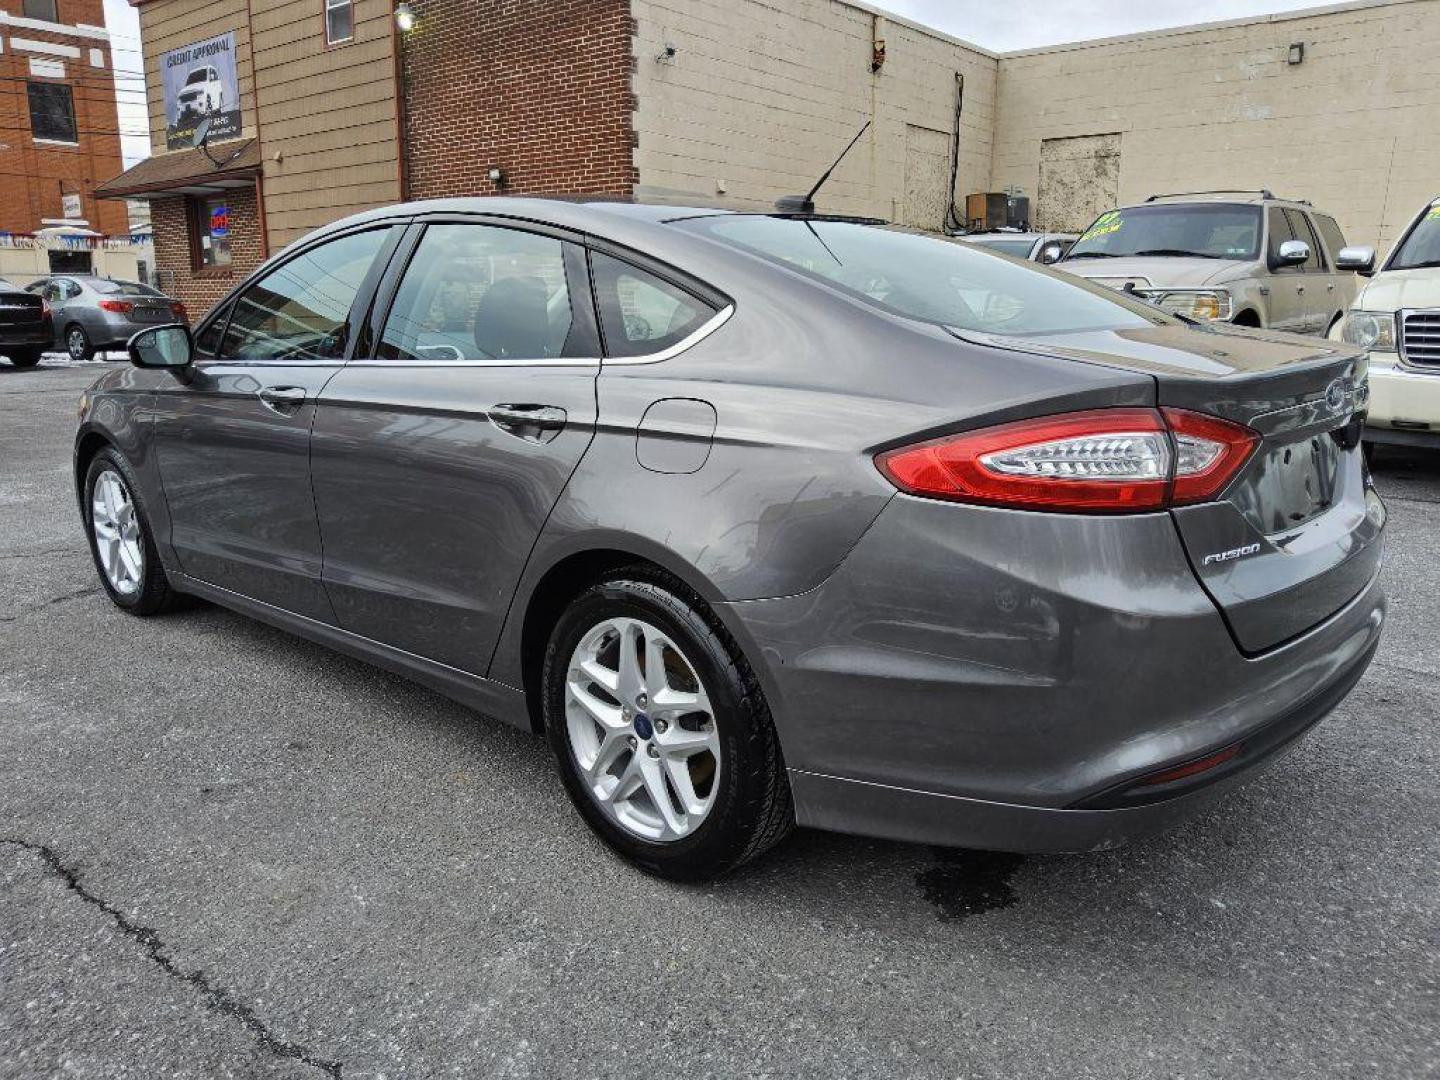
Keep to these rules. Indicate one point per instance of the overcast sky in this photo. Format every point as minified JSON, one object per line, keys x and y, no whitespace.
{"x":1018,"y":24}
{"x":1025,"y":24}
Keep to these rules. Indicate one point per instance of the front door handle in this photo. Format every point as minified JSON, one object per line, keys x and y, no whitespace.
{"x":535,"y":423}
{"x":284,"y":400}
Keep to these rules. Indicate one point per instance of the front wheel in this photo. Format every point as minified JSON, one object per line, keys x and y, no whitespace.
{"x":662,"y":734}
{"x":120,"y":539}
{"x":25,"y":358}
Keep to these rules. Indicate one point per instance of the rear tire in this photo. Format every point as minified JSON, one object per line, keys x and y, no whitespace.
{"x":746,"y":808}
{"x":25,"y":358}
{"x":139,"y":586}
{"x":77,"y":343}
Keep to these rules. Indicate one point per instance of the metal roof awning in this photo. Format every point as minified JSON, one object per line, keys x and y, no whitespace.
{"x":188,"y":172}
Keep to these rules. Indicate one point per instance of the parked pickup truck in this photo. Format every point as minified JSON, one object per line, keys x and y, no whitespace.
{"x":1242,"y":257}
{"x":1396,"y":318}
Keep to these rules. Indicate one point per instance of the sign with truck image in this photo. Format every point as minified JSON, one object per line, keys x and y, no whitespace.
{"x":200,"y":82}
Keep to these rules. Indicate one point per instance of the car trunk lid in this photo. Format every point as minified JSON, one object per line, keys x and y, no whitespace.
{"x":21,"y":309}
{"x":1295,"y":536}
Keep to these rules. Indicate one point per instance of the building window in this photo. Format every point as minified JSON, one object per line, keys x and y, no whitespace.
{"x":339,"y":21}
{"x":52,"y":112}
{"x":41,"y":9}
{"x":211,"y":229}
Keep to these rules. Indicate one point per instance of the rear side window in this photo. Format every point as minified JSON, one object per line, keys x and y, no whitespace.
{"x":301,"y":309}
{"x":641,"y":313}
{"x":482,"y":292}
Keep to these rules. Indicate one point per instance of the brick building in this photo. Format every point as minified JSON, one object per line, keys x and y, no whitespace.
{"x":735,"y":102}
{"x":59,"y":139}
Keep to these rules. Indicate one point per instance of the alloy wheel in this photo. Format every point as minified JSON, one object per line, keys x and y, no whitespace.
{"x":76,"y":343}
{"x":642,"y":730}
{"x":117,"y":533}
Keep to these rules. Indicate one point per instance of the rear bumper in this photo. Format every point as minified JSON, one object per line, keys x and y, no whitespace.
{"x":41,"y":336}
{"x":979,"y":677}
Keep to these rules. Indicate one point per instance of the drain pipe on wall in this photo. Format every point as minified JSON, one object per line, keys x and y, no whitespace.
{"x":953,"y":222}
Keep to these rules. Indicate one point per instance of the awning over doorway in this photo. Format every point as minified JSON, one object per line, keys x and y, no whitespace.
{"x":188,"y":172}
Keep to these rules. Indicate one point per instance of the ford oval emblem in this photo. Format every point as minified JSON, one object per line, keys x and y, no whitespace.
{"x":1335,"y":395}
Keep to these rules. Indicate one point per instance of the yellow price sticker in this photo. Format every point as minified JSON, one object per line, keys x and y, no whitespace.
{"x":1106,"y":223}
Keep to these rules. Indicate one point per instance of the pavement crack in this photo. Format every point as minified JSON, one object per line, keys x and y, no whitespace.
{"x":215,"y":997}
{"x":43,"y":553}
{"x":89,"y":590}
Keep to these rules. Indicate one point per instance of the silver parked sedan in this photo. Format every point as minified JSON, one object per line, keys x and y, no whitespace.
{"x":96,"y":314}
{"x":764,"y":519}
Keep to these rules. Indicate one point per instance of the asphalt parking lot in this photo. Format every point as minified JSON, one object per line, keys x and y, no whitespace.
{"x":225,"y":852}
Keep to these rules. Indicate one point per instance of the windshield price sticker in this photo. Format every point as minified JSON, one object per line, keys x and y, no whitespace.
{"x":1105,"y":224}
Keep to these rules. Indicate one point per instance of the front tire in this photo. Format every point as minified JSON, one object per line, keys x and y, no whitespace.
{"x":661,"y":731}
{"x":24,"y":358}
{"x":77,"y":343}
{"x":121,"y":541}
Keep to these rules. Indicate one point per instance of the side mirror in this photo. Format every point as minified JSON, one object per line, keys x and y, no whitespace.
{"x":169,"y":347}
{"x":1293,"y":253}
{"x":1051,"y":253}
{"x":1359,"y":259}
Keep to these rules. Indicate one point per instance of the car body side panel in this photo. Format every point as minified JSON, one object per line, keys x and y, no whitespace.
{"x":120,"y":410}
{"x":790,"y":483}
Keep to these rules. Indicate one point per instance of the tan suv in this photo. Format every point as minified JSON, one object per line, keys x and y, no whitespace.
{"x":1241,"y":257}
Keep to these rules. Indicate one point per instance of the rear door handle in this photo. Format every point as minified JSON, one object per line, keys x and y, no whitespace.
{"x":536,"y":423}
{"x":284,"y":400}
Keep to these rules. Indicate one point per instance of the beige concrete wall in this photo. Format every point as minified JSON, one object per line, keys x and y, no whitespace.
{"x":1352,"y":128}
{"x":762,"y":95}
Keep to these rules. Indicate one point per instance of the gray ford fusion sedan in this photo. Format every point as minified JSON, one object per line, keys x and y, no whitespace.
{"x":764,"y":519}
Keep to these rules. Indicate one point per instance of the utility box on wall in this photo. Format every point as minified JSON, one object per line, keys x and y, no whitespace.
{"x":985,"y":211}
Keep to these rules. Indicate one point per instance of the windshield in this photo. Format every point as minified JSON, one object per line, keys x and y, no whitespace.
{"x":1421,"y":247}
{"x":1195,"y":230}
{"x":923,"y":277}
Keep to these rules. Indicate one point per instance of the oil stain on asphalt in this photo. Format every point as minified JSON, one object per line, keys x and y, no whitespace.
{"x":966,"y":883}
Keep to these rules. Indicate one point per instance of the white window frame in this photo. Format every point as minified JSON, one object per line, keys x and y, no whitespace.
{"x":331,"y":5}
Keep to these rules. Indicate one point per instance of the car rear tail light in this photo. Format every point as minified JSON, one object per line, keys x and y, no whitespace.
{"x":120,"y":307}
{"x":1209,"y":452}
{"x":1101,"y":461}
{"x":178,"y":310}
{"x":46,"y":315}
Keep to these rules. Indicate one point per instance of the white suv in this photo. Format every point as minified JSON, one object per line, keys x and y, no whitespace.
{"x":1396,"y":318}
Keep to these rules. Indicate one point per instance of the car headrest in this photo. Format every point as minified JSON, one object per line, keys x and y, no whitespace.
{"x":511,"y":321}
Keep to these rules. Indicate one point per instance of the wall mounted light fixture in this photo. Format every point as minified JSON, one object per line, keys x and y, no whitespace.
{"x":404,"y":17}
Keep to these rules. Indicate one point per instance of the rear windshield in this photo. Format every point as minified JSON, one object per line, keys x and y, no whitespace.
{"x":123,"y":288}
{"x":948,"y":282}
{"x":1193,"y":230}
{"x":1421,"y":247}
{"x":1020,"y":248}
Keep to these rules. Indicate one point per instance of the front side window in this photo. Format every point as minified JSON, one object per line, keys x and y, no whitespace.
{"x":1301,"y":228}
{"x":41,"y":9}
{"x":211,"y":226}
{"x":948,"y":282}
{"x":640,"y":313}
{"x":301,"y":309}
{"x":1421,"y":247}
{"x":480,"y":292}
{"x":1334,"y":238}
{"x":339,"y":21}
{"x":52,"y":112}
{"x":207,"y":342}
{"x":1193,"y":230}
